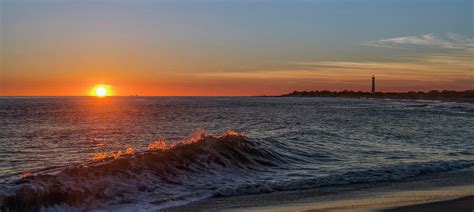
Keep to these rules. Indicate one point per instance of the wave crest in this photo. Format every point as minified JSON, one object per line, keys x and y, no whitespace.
{"x":128,"y":178}
{"x":197,"y":136}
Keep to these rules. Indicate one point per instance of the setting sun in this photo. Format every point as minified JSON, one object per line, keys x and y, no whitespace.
{"x":101,"y":91}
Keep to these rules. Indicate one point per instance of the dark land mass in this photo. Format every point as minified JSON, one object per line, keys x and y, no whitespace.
{"x":460,"y":204}
{"x":445,"y":95}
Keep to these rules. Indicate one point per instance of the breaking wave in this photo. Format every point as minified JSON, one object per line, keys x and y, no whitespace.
{"x":163,"y":174}
{"x":195,"y":168}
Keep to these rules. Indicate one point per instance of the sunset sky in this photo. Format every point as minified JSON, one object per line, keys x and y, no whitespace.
{"x":234,"y":47}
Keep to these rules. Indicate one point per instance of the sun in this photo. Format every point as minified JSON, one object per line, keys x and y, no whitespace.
{"x":101,"y":91}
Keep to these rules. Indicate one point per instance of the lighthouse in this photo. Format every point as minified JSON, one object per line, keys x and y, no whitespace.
{"x":373,"y":85}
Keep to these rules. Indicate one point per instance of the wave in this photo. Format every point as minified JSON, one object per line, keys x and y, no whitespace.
{"x":195,"y":168}
{"x":160,"y":175}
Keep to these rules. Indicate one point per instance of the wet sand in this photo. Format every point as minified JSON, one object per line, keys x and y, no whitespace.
{"x":460,"y":204}
{"x":450,"y":191}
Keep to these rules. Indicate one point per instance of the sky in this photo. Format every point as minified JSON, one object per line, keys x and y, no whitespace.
{"x":233,"y":47}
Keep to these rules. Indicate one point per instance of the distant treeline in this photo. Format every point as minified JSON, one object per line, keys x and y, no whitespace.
{"x":445,"y":95}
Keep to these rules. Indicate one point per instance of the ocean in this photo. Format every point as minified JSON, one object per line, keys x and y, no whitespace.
{"x":149,"y":153}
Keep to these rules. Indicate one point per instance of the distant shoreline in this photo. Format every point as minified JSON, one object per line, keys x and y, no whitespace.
{"x":435,"y":95}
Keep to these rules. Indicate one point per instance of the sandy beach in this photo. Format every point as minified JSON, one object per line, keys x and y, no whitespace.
{"x":450,"y":191}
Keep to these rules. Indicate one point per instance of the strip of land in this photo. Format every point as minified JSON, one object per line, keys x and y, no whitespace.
{"x":445,"y":95}
{"x":450,"y":191}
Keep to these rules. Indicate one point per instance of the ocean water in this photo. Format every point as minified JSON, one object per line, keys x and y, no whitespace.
{"x":147,"y":153}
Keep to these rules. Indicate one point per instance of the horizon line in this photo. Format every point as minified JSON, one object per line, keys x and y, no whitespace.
{"x":261,"y":95}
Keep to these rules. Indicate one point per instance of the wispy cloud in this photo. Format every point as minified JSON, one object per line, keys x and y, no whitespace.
{"x":447,"y":41}
{"x":434,"y":68}
{"x":449,"y":66}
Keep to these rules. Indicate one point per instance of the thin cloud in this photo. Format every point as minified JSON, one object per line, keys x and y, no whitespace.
{"x":448,"y":41}
{"x":429,"y":68}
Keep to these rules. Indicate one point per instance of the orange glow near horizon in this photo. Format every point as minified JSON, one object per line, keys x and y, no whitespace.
{"x":177,"y":48}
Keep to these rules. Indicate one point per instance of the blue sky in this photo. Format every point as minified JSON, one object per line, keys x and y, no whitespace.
{"x":194,"y":44}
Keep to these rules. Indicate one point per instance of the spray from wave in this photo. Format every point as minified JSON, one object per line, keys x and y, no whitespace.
{"x":163,"y":175}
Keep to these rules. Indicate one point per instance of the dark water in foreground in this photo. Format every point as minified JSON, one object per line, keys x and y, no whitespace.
{"x":62,"y":152}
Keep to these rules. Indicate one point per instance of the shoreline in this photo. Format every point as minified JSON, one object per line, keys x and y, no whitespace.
{"x":434,"y":95}
{"x":389,"y":196}
{"x":457,"y":100}
{"x":459,"y":204}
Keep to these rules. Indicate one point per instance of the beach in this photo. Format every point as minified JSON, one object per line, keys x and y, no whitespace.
{"x":450,"y":191}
